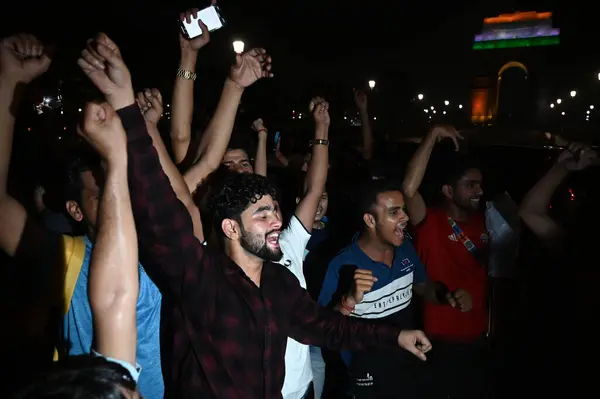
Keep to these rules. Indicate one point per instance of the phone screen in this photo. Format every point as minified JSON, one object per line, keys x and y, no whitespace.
{"x":211,"y":18}
{"x":277,"y":138}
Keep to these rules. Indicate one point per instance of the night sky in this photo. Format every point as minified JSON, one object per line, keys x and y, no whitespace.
{"x":317,"y":46}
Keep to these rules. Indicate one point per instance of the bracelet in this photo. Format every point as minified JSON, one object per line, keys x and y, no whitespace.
{"x":319,"y":142}
{"x":262,"y":130}
{"x":348,"y":308}
{"x":183,"y":73}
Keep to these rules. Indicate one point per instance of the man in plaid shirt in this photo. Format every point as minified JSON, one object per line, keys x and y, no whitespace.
{"x":230,"y":316}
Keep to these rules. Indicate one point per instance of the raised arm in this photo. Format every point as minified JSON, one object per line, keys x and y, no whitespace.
{"x":22,"y":59}
{"x":316,"y":176}
{"x":534,"y":208}
{"x":113,"y":285}
{"x":360,"y":99}
{"x":150,"y":103}
{"x":248,"y":68}
{"x":260,"y":160}
{"x":417,"y":210}
{"x":183,"y":90}
{"x":163,"y":223}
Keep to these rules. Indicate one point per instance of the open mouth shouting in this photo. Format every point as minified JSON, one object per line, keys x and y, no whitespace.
{"x":399,"y":231}
{"x":273,"y":238}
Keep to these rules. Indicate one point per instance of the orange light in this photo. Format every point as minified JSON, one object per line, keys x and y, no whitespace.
{"x":518,"y":16}
{"x":29,"y":129}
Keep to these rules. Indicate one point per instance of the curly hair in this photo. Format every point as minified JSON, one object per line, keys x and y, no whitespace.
{"x":236,"y":193}
{"x":80,"y":377}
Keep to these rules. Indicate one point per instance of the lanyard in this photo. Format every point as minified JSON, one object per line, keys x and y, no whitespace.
{"x":460,"y":234}
{"x":479,"y":256}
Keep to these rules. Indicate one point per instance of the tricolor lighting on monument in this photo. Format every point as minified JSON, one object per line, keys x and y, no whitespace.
{"x":521,"y":29}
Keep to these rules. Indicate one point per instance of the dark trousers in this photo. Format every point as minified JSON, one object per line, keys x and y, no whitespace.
{"x":456,"y":370}
{"x":310,"y":392}
{"x":386,"y":375}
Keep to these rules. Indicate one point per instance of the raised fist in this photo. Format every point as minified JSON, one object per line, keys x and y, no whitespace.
{"x":22,"y":58}
{"x":102,"y":128}
{"x":102,"y":62}
{"x":577,"y":157}
{"x":321,"y":113}
{"x":151,"y":105}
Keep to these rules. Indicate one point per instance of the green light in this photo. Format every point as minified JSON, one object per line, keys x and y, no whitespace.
{"x":513,"y":43}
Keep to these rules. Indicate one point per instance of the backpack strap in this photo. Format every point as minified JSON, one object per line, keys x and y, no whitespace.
{"x":74,"y":253}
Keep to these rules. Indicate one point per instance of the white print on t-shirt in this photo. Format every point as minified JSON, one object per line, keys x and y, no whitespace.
{"x":452,"y":237}
{"x":387,"y":300}
{"x":366,"y":381}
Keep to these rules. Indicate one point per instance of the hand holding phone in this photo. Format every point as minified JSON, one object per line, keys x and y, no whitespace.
{"x":210,"y":16}
{"x":276,"y":140}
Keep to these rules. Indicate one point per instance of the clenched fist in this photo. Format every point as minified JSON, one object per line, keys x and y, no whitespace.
{"x":151,"y":105}
{"x":102,"y":128}
{"x":363,"y":283}
{"x":102,"y":62}
{"x":22,"y":58}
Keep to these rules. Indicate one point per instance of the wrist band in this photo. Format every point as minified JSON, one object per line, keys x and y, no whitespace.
{"x":319,"y":142}
{"x":183,"y":73}
{"x":262,"y":130}
{"x":441,"y":292}
{"x":348,"y":308}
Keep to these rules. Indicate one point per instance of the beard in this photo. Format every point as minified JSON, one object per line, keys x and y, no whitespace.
{"x":258,"y":247}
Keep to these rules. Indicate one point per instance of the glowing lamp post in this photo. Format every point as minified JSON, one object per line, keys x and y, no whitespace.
{"x":372,"y":84}
{"x":238,"y":46}
{"x":420,"y":96}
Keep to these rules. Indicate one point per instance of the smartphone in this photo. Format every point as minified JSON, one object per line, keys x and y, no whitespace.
{"x":211,"y":17}
{"x":276,"y":140}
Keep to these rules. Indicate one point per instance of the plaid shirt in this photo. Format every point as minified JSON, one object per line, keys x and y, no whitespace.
{"x":225,"y":337}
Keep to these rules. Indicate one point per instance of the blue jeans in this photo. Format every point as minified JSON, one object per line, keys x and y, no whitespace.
{"x":318,"y":369}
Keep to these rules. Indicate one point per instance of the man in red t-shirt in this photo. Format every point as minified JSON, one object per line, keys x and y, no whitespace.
{"x":452,"y":243}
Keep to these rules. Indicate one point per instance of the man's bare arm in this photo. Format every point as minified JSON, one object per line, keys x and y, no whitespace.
{"x":14,"y":73}
{"x":316,"y":176}
{"x":417,"y":209}
{"x":113,"y":287}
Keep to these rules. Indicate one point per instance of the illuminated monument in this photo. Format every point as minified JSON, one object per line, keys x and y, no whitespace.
{"x":511,"y":35}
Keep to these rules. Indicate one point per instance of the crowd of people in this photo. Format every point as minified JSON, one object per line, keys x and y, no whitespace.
{"x":195,"y":276}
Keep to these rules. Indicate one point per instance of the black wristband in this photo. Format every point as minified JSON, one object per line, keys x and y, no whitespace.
{"x":440,"y":293}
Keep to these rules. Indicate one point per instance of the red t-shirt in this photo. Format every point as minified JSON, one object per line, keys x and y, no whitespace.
{"x":447,"y":260}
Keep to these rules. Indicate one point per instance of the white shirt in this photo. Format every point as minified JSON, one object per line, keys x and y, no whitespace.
{"x":298,"y":372}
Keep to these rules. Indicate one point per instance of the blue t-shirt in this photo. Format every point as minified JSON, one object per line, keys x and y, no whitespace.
{"x":390,"y":298}
{"x":78,"y":330}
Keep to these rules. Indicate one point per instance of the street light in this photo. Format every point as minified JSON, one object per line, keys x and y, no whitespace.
{"x":591,"y":107}
{"x":552,"y":105}
{"x":459,"y":106}
{"x":420,"y":96}
{"x":446,"y":102}
{"x":573,"y":93}
{"x":372,"y":84}
{"x":558,"y":101}
{"x":238,"y":46}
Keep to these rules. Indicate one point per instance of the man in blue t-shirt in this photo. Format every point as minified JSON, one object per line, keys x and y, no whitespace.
{"x":374,"y":278}
{"x":80,"y":188}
